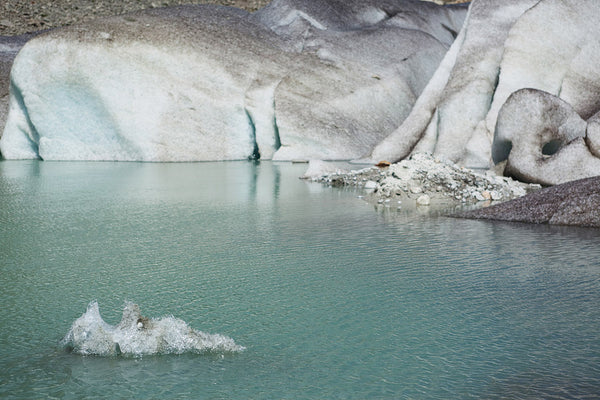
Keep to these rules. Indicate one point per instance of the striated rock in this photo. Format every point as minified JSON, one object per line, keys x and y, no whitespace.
{"x":574,"y":203}
{"x":296,"y":80}
{"x":318,"y":168}
{"x":423,"y":200}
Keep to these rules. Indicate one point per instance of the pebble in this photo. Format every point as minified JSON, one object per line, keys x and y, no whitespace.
{"x":370,"y":185}
{"x":423,"y":200}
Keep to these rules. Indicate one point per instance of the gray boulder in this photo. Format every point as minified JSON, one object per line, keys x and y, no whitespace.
{"x":575,"y":203}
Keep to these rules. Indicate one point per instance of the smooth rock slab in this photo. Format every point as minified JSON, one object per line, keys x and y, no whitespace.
{"x":575,"y":203}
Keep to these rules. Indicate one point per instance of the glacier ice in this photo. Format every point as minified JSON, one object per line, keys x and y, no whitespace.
{"x":296,"y":80}
{"x":549,"y":86}
{"x":136,"y":335}
{"x":505,"y":47}
{"x":448,"y":115}
{"x":543,"y":139}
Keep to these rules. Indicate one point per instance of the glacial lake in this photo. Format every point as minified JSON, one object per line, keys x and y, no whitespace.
{"x":330,"y":297}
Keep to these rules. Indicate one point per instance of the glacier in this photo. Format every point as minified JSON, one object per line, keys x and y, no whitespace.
{"x":295,"y":80}
{"x":515,"y":83}
{"x":483,"y":84}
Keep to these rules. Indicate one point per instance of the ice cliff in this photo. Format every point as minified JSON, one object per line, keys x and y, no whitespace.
{"x":512,"y":80}
{"x":298,"y":79}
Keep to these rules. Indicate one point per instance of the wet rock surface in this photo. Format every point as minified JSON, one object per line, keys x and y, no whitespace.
{"x":575,"y":203}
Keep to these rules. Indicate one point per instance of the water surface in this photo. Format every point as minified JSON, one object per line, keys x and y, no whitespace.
{"x":330,"y":297}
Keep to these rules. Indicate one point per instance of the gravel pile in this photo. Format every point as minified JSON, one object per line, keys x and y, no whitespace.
{"x":424,"y":179}
{"x":23,"y":16}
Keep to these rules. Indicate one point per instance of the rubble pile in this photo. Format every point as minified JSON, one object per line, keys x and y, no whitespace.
{"x":425,"y":179}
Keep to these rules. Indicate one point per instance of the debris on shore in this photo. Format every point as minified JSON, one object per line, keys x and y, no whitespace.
{"x":424,"y":180}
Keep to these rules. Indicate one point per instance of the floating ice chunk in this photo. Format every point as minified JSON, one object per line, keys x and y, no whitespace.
{"x":136,"y":335}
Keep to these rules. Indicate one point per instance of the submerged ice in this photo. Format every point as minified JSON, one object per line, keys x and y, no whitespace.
{"x":137,"y":335}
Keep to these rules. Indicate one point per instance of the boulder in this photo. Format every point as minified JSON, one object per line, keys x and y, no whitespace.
{"x":575,"y":203}
{"x":297,"y":80}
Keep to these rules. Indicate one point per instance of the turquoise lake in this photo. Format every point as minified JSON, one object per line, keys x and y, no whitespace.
{"x":331,"y":297}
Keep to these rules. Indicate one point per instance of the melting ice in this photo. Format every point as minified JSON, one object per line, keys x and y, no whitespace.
{"x":138,"y":335}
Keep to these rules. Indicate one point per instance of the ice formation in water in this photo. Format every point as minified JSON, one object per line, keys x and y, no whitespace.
{"x":137,"y":335}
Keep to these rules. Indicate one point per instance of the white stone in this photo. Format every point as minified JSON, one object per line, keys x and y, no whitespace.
{"x":370,"y":185}
{"x":319,"y":168}
{"x":424,"y":200}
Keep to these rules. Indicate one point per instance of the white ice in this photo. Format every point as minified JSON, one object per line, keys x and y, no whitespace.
{"x":204,"y":83}
{"x":136,"y":335}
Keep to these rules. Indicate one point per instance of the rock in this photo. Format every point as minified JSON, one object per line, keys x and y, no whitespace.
{"x":383,"y":164}
{"x":574,"y":203}
{"x":423,"y":200}
{"x":318,"y":168}
{"x":543,"y":139}
{"x":370,"y":185}
{"x":291,"y":81}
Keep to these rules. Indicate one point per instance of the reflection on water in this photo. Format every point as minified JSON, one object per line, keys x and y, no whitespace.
{"x":331,"y":297}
